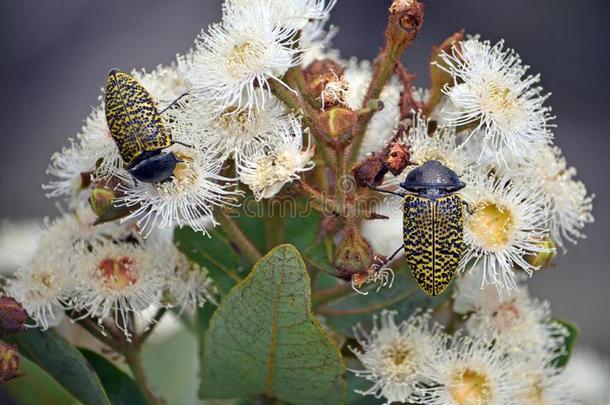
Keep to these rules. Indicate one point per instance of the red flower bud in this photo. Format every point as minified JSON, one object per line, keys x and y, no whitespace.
{"x":12,"y":316}
{"x":9,"y":363}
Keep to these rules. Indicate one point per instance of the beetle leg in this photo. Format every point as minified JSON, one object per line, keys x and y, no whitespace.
{"x":183,"y":144}
{"x":389,"y":259}
{"x":467,"y":208}
{"x":173,"y":103}
{"x":386,"y":191}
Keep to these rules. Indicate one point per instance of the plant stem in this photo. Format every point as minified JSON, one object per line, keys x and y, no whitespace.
{"x":94,"y":330}
{"x":134,"y":361}
{"x":322,"y":297}
{"x":153,"y":323}
{"x":245,"y":245}
{"x":274,"y":226}
{"x":400,"y":33}
{"x":319,"y":201}
{"x":340,"y":173}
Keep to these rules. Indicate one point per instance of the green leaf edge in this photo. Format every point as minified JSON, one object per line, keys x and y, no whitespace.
{"x":315,"y":320}
{"x":52,"y":333}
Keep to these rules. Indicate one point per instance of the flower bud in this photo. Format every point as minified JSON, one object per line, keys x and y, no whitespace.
{"x":438,"y":76}
{"x":406,"y":19}
{"x":354,"y":254}
{"x":322,"y":67}
{"x":545,"y":257}
{"x":12,"y":316}
{"x":397,"y":158}
{"x":338,"y":123}
{"x":9,"y":363}
{"x":101,"y":201}
{"x":370,"y":172}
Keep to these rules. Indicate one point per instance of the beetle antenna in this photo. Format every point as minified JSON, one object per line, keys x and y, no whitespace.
{"x":386,"y":191}
{"x":173,"y":103}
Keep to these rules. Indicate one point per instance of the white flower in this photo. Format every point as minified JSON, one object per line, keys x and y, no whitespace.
{"x":440,"y":145}
{"x":491,"y":92}
{"x":189,"y":286}
{"x":186,"y":198}
{"x":588,"y":371}
{"x":242,"y":54}
{"x":97,"y":146}
{"x":544,"y":384}
{"x":233,"y":131}
{"x":41,"y":285}
{"x":381,"y":127}
{"x":393,"y":355}
{"x":72,"y":168}
{"x":18,"y":242}
{"x":115,"y":279}
{"x":167,"y":83}
{"x":522,"y":325}
{"x":571,"y":205}
{"x":471,"y":372}
{"x":507,"y":220}
{"x":276,"y":161}
{"x":293,"y":14}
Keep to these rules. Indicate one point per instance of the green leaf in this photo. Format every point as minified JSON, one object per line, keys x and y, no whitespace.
{"x":264,"y":339}
{"x":320,"y":256}
{"x":54,"y":354}
{"x":172,"y":368}
{"x":216,"y":254}
{"x":121,"y":389}
{"x":404,"y":296}
{"x":47,"y":392}
{"x":302,"y":226}
{"x":566,"y":351}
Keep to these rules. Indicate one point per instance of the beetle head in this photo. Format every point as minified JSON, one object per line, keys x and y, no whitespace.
{"x":432,"y":179}
{"x":155,"y":168}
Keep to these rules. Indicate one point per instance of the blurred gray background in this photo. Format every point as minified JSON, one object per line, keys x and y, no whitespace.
{"x":56,"y":54}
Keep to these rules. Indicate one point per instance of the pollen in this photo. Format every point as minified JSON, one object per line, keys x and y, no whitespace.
{"x":500,"y":101}
{"x":492,"y":224}
{"x":117,"y":274}
{"x":184,"y":177}
{"x":399,"y":355}
{"x":244,"y":56}
{"x":234,"y":120}
{"x":470,"y":387}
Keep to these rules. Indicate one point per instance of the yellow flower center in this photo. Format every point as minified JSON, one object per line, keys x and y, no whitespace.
{"x":183,"y":177}
{"x":492,"y":224}
{"x":244,"y":56}
{"x":500,"y":101}
{"x":233,"y":121}
{"x":470,"y":388}
{"x":117,"y":274}
{"x":399,"y":355}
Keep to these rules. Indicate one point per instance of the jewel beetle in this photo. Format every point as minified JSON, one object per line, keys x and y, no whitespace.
{"x":138,"y":129}
{"x":433,"y":225}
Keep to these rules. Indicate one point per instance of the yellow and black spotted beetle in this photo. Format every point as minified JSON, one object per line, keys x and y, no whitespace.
{"x":138,"y":129}
{"x":433,"y":225}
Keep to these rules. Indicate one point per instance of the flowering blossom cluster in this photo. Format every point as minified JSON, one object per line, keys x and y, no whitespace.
{"x":492,"y":129}
{"x":111,"y":256}
{"x":229,"y":114}
{"x":505,"y":355}
{"x":105,"y":271}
